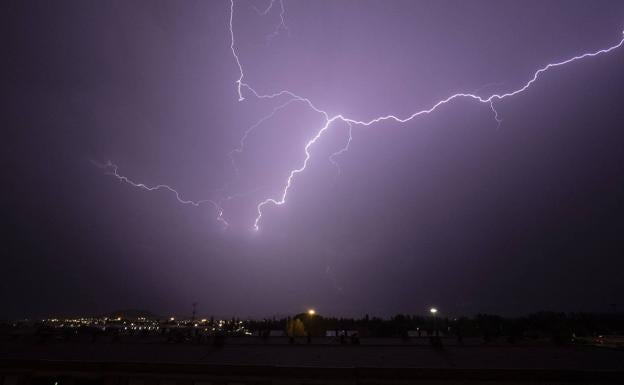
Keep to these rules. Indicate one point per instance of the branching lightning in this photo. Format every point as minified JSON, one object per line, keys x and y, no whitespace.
{"x":472,"y":96}
{"x":112,"y":169}
{"x":282,"y":23}
{"x":243,"y":88}
{"x":345,"y":148}
{"x":241,"y":147}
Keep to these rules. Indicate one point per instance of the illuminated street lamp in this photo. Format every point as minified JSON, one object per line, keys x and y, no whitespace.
{"x":311,"y":312}
{"x":433,"y":312}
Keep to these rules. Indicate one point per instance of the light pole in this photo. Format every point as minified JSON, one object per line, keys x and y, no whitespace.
{"x":311,"y":313}
{"x":433,"y":312}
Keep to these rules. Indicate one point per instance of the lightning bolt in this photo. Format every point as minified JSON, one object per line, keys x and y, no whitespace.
{"x":282,"y":23}
{"x":239,"y":82}
{"x":112,"y":169}
{"x":243,"y":88}
{"x":241,"y":148}
{"x":266,"y":10}
{"x":345,"y":148}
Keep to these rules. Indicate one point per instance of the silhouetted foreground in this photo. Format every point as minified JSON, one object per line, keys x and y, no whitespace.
{"x":55,"y":373}
{"x":277,"y":361}
{"x":309,"y":348}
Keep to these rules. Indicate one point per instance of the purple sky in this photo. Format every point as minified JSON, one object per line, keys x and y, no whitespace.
{"x":447,"y":209}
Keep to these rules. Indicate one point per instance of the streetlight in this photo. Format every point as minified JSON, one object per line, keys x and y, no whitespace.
{"x":434,"y":311}
{"x":311,"y":313}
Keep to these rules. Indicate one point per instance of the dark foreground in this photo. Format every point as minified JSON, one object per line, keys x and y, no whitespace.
{"x":79,"y":363}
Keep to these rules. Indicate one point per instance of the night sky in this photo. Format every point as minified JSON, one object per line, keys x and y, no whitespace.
{"x":449,"y":209}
